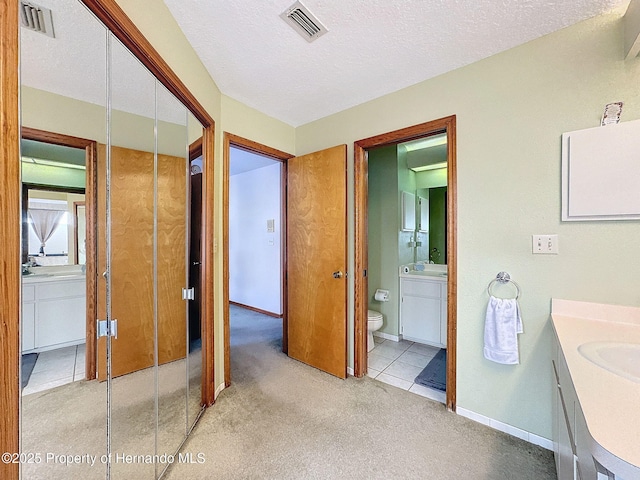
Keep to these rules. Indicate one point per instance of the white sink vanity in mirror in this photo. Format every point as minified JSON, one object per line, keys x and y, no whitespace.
{"x":423,"y":304}
{"x":53,"y":308}
{"x":597,"y":399}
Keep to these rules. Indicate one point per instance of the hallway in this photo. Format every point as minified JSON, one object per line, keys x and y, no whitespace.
{"x":281,"y":419}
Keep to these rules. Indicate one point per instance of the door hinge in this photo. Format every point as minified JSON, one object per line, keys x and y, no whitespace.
{"x":106,"y":330}
{"x":188,"y":294}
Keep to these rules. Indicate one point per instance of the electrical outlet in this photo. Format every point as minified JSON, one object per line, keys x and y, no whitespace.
{"x":545,"y":244}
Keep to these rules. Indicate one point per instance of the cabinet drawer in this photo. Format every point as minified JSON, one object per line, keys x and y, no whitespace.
{"x":61,"y":290}
{"x":421,"y":288}
{"x":60,"y":321}
{"x":28,"y":293}
{"x":28,"y":326}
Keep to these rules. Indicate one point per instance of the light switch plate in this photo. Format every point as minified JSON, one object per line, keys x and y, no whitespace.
{"x":545,"y":244}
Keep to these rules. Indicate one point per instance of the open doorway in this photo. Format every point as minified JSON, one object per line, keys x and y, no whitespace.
{"x":58,"y":181}
{"x":442,"y":253}
{"x":254,"y":244}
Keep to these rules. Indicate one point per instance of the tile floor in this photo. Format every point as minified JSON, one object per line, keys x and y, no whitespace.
{"x":399,"y":363}
{"x":56,"y":367}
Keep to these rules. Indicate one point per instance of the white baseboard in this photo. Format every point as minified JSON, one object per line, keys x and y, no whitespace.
{"x":503,"y":427}
{"x":387,"y":336}
{"x":218,"y":390}
{"x":350,"y":371}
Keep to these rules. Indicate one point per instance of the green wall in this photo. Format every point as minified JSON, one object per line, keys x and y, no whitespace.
{"x":388,"y":244}
{"x":55,"y":176}
{"x":438,"y":224}
{"x":511,"y":111}
{"x":383,"y":234}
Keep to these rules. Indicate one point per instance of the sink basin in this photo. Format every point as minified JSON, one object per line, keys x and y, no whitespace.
{"x":620,"y":358}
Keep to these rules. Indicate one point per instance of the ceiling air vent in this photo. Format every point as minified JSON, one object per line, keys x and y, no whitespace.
{"x":36,"y":18}
{"x":304,"y":22}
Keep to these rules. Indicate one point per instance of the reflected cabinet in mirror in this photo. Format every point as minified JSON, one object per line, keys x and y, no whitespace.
{"x":111,"y":359}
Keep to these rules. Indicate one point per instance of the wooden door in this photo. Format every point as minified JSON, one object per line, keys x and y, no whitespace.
{"x":132,"y":293}
{"x":195,"y":260}
{"x":317,"y":259}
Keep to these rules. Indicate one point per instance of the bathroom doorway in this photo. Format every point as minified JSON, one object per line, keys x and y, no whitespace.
{"x":422,"y":253}
{"x":254,"y":240}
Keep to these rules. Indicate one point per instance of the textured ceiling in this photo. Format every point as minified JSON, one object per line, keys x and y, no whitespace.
{"x":74,"y":64}
{"x":373,"y":47}
{"x":241,"y":161}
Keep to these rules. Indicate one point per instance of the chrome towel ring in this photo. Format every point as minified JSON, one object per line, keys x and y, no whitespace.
{"x":503,"y":277}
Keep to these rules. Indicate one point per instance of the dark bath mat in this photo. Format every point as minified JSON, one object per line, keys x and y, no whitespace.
{"x":27,"y":364}
{"x":434,"y":374}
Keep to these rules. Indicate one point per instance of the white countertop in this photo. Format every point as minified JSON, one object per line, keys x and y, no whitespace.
{"x":426,"y":274}
{"x":45,"y":278}
{"x":430,"y":271}
{"x":610,"y":403}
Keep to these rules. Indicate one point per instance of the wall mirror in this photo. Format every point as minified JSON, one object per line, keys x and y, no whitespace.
{"x":49,"y":226}
{"x":140,"y":392}
{"x":427,"y":159}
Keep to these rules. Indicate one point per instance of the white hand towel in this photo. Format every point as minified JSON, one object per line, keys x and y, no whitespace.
{"x":501,"y":328}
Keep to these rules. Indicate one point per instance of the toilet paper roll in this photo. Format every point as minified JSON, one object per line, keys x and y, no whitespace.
{"x":382,"y":295}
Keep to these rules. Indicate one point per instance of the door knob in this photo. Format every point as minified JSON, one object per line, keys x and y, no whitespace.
{"x":337,"y":274}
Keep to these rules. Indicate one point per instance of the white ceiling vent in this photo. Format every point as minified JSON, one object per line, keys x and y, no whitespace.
{"x":36,"y":18}
{"x":303,"y":21}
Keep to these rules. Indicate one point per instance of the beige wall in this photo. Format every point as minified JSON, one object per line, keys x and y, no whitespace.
{"x":511,"y":111}
{"x":230,"y":116}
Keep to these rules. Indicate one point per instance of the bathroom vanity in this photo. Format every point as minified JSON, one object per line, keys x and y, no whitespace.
{"x":53,"y":311}
{"x":423,"y":306}
{"x":596,"y":368}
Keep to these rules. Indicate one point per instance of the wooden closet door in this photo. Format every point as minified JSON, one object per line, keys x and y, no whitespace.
{"x":132,"y":272}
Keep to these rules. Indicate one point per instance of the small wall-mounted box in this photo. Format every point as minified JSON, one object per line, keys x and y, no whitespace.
{"x":601,"y":173}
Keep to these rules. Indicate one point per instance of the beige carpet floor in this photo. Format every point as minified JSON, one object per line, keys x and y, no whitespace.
{"x":70,"y":420}
{"x":281,"y":419}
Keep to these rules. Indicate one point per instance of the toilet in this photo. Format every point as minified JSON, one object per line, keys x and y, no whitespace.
{"x":374,"y":323}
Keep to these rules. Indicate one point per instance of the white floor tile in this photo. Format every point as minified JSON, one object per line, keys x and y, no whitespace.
{"x":395,"y":381}
{"x":372,"y":373}
{"x":388,"y":350}
{"x":403,"y":370}
{"x":45,"y":386}
{"x":415,"y":359}
{"x":46,"y":376}
{"x":427,"y":392}
{"x":55,"y":363}
{"x":423,"y":349}
{"x":378,"y":362}
{"x":57,"y":367}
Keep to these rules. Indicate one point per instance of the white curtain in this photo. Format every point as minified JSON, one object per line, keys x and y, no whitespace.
{"x":44,"y":223}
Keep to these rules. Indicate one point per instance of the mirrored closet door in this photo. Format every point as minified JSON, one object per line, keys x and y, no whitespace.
{"x":111,"y":360}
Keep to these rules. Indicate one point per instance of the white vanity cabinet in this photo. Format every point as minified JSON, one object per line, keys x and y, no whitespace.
{"x":28,"y":318}
{"x":53,"y":313}
{"x":423,"y":309}
{"x":571,"y":436}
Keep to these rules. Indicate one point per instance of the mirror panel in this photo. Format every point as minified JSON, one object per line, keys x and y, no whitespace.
{"x":194,"y":359}
{"x":63,"y":91}
{"x":128,"y":172}
{"x":84,"y":83}
{"x":172,"y":170}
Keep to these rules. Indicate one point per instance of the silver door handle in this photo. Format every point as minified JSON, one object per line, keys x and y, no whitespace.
{"x":338,"y":274}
